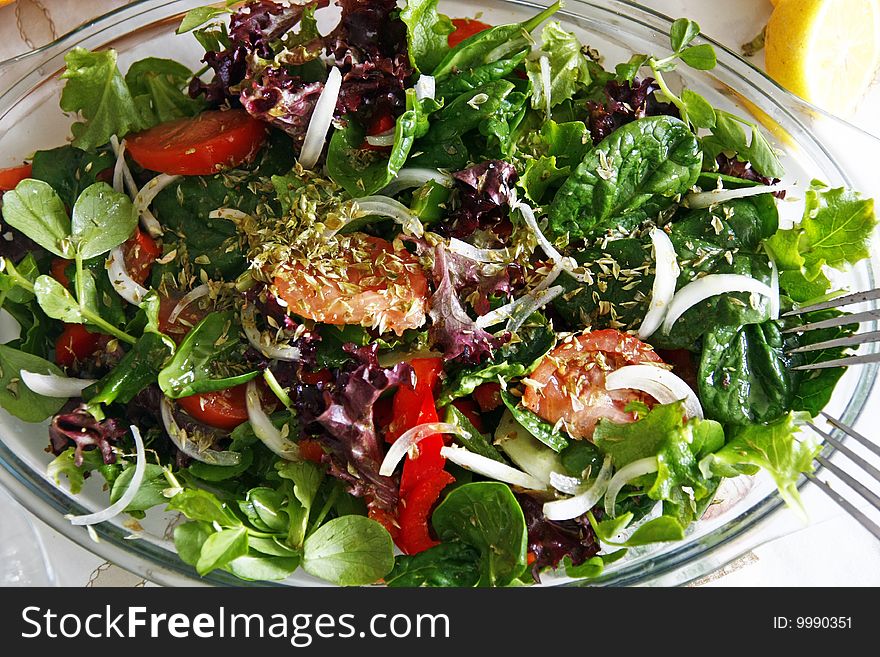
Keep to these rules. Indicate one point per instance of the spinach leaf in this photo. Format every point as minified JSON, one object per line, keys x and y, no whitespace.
{"x":95,"y":88}
{"x":349,"y":551}
{"x":70,"y":170}
{"x":580,"y":456}
{"x":486,"y":516}
{"x":137,"y":369}
{"x":364,"y":172}
{"x":159,"y":90}
{"x":205,"y":360}
{"x":36,"y":210}
{"x":593,"y":567}
{"x":729,"y":135}
{"x":15,"y":397}
{"x":491,"y":45}
{"x":773,"y":447}
{"x":745,"y":376}
{"x":470,"y":437}
{"x":658,"y":530}
{"x":464,"y":81}
{"x":630,"y":176}
{"x":427,"y":34}
{"x":569,"y":68}
{"x":448,"y":564}
{"x":199,"y":16}
{"x":543,"y":431}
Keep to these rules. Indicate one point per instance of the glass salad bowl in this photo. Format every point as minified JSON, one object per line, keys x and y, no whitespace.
{"x":812,"y":145}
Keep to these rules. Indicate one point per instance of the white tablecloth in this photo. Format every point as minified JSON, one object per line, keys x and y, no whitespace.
{"x":832,"y":551}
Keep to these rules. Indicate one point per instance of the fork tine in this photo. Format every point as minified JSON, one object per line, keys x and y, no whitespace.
{"x":849,"y":299}
{"x":849,"y":341}
{"x":846,"y":505}
{"x":840,"y":362}
{"x":851,"y":481}
{"x":843,"y":449}
{"x":852,"y":433}
{"x":843,"y":320}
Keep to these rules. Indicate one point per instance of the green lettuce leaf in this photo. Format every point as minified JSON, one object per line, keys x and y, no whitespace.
{"x":569,"y":67}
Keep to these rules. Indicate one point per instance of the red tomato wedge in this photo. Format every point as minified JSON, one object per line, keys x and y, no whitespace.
{"x":9,"y":178}
{"x":140,"y":252}
{"x":368,"y":283}
{"x":198,"y":146}
{"x":224,"y":409}
{"x":77,"y":344}
{"x":58,"y":270}
{"x":571,"y":381}
{"x":464,"y":29}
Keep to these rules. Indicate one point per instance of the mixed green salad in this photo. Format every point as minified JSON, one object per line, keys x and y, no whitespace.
{"x":393,"y":297}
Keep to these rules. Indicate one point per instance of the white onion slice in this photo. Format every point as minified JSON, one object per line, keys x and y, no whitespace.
{"x":265,"y":430}
{"x":254,"y":337}
{"x":578,"y":505}
{"x":119,"y":167}
{"x":666,"y":276}
{"x":410,"y":439}
{"x":426,"y":87}
{"x":490,"y":468}
{"x":148,"y":219}
{"x":480,"y":255}
{"x":228,"y":213}
{"x":193,"y":295}
{"x":774,"y":289}
{"x":128,"y":288}
{"x":322,"y":118}
{"x":544,"y":63}
{"x":710,"y":286}
{"x":533,"y":302}
{"x":699,"y":200}
{"x":384,"y":206}
{"x":625,"y":475}
{"x":53,"y":385}
{"x":568,"y":485}
{"x":144,"y":198}
{"x":185,"y":445}
{"x":140,"y":467}
{"x":409,"y":178}
{"x":660,"y":383}
{"x":560,"y":263}
{"x":385,"y":139}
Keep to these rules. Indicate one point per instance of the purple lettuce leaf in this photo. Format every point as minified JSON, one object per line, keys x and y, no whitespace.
{"x":733,"y":166}
{"x":340,"y":416}
{"x":550,"y":541}
{"x":452,"y":328}
{"x":625,"y":102}
{"x":282,"y":100}
{"x":80,"y":427}
{"x":480,"y":199}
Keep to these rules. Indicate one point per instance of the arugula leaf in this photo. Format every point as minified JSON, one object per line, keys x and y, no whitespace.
{"x":447,"y":564}
{"x":349,"y":551}
{"x":96,"y":90}
{"x":569,"y":69}
{"x":205,"y":353}
{"x":486,"y":516}
{"x":15,"y":397}
{"x":772,"y":447}
{"x":631,"y":175}
{"x":428,"y":34}
{"x":35,"y":209}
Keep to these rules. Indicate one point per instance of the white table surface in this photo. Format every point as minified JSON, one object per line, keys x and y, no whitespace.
{"x":831,"y":551}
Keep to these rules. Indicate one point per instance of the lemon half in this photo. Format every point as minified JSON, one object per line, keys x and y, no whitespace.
{"x":826,"y":51}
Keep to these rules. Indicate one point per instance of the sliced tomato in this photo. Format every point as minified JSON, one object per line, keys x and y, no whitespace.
{"x":488,"y":396}
{"x":224,"y":409}
{"x":367,"y":282}
{"x":380,"y":124}
{"x":198,"y":146}
{"x":465,"y":28}
{"x":184,"y":322}
{"x":571,"y":381}
{"x":140,"y":252}
{"x":9,"y":178}
{"x":58,"y":269}
{"x":76,"y":344}
{"x":415,"y":510}
{"x":311,"y":450}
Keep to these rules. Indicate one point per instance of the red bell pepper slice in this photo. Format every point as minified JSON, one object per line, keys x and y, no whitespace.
{"x":415,"y":508}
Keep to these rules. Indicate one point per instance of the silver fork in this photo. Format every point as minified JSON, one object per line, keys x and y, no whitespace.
{"x":833,"y":322}
{"x":868,"y":494}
